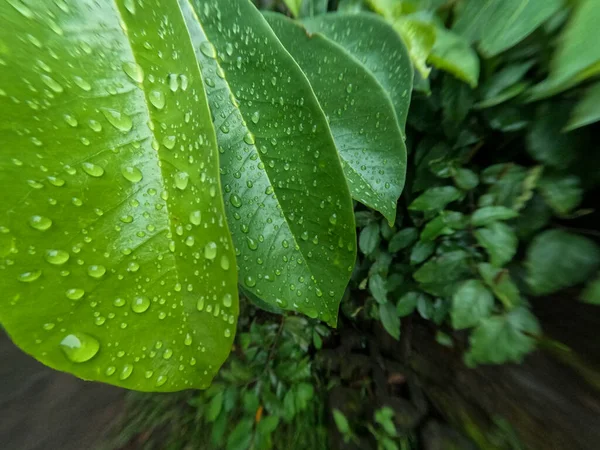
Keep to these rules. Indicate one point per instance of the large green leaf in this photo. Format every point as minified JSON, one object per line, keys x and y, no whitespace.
{"x":378,"y":47}
{"x":557,"y":259}
{"x":360,"y":115}
{"x":286,"y":197}
{"x":117,"y":264}
{"x":420,"y":37}
{"x":575,"y":58}
{"x":587,"y":110}
{"x":500,"y":24}
{"x":452,"y":53}
{"x":500,"y":242}
{"x":471,"y":303}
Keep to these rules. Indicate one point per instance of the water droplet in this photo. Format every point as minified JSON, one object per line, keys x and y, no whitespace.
{"x":227,"y":300}
{"x":173,"y":82}
{"x":28,"y":277}
{"x":181,"y":180}
{"x":157,"y":98}
{"x":235,"y":200}
{"x":224,"y":262}
{"x":133,"y":70}
{"x":120,"y":121}
{"x":333,"y":219}
{"x":72,"y":121}
{"x":95,"y":125}
{"x":40,"y":223}
{"x":162,"y":379}
{"x":126,"y":372}
{"x":48,"y":326}
{"x":189,"y":241}
{"x":129,"y":6}
{"x":52,"y":84}
{"x":169,"y":142}
{"x":132,"y":174}
{"x":195,"y":217}
{"x":227,"y":332}
{"x":110,"y":370}
{"x":92,"y":170}
{"x":252,"y":244}
{"x":75,"y":294}
{"x":200,"y":304}
{"x":79,"y":347}
{"x":96,"y":271}
{"x":255,"y":117}
{"x":250,"y":281}
{"x":210,"y":250}
{"x":208,"y":49}
{"x":168,"y":353}
{"x":83,"y":84}
{"x":249,"y":138}
{"x":57,"y":257}
{"x":118,"y":302}
{"x":140,"y":304}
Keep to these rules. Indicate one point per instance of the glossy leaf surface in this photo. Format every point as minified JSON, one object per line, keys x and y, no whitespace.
{"x":378,"y":47}
{"x":287,"y":201}
{"x":360,"y":115}
{"x":116,"y":261}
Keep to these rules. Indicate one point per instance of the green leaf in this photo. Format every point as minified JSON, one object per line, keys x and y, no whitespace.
{"x":304,"y":393}
{"x":241,"y":436}
{"x":361,"y":115}
{"x":403,"y":239}
{"x":419,"y":37}
{"x":286,"y":196}
{"x":421,"y":251}
{"x":119,"y":237}
{"x":378,"y":47}
{"x":591,"y":294}
{"x":500,"y":24}
{"x":502,"y":339}
{"x":471,"y":303}
{"x":408,"y":302}
{"x":466,"y":179}
{"x":214,"y":407}
{"x":444,"y":224}
{"x":500,"y":241}
{"x":563,"y":193}
{"x":389,"y":319}
{"x":448,"y":267}
{"x":587,"y":110}
{"x":514,"y":20}
{"x":574,"y":60}
{"x":369,"y":238}
{"x":385,"y":418}
{"x":546,"y":142}
{"x":557,"y":259}
{"x":436,"y":198}
{"x":378,"y":288}
{"x":490,"y":214}
{"x":453,"y":54}
{"x":501,"y":284}
{"x":294,"y":6}
{"x":504,"y":85}
{"x":312,"y":8}
{"x":457,"y":101}
{"x":341,"y":422}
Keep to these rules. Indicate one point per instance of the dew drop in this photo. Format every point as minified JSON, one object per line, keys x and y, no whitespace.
{"x":162,"y":379}
{"x":140,"y":304}
{"x":255,"y":117}
{"x":75,"y":293}
{"x":57,"y":257}
{"x":195,"y":217}
{"x":333,"y":219}
{"x":224,"y":262}
{"x":119,"y":120}
{"x":132,"y":174}
{"x":133,"y":70}
{"x":157,"y":98}
{"x":96,"y":271}
{"x":52,"y":84}
{"x":235,"y":200}
{"x":92,"y":170}
{"x":227,"y":300}
{"x":188,"y":339}
{"x":208,"y":49}
{"x":200,"y":304}
{"x":210,"y":250}
{"x":79,"y":347}
{"x":250,"y":281}
{"x":40,"y":223}
{"x":28,"y":277}
{"x":83,"y":84}
{"x":126,"y":372}
{"x":181,"y":180}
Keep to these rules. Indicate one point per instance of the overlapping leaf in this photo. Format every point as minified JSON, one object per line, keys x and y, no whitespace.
{"x":116,"y":261}
{"x":360,"y":114}
{"x":287,"y":200}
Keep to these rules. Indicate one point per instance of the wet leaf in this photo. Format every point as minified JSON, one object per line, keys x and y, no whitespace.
{"x":378,"y":47}
{"x":286,"y":197}
{"x":111,"y":182}
{"x":360,"y":115}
